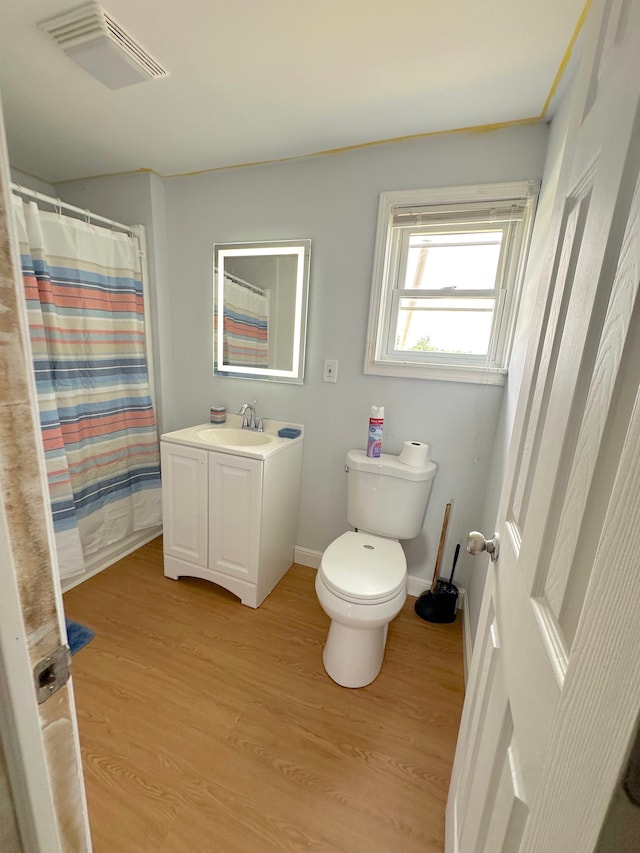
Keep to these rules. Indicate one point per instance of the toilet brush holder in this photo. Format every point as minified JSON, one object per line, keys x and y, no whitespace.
{"x":440,"y":605}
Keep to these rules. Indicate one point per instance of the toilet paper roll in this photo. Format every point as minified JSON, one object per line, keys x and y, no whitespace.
{"x":414,"y":453}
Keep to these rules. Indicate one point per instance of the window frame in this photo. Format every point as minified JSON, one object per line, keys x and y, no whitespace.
{"x":381,"y":357}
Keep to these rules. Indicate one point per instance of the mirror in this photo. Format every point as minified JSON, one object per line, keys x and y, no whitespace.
{"x":261,"y":292}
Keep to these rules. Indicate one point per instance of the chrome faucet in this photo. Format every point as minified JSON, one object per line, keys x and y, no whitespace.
{"x":250,"y":422}
{"x":246,"y":422}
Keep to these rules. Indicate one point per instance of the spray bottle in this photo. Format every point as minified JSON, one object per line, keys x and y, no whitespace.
{"x":376,"y":422}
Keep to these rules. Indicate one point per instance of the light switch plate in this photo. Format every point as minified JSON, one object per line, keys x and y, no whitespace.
{"x":330,"y":372}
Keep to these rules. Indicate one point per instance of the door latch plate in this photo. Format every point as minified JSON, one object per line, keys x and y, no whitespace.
{"x":52,"y":673}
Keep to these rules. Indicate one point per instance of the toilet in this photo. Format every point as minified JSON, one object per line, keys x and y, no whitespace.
{"x":362,"y":579}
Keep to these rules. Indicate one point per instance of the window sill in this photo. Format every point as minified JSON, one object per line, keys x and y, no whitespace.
{"x":481,"y":375}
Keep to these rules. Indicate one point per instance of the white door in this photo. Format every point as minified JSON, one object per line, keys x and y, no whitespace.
{"x":554,"y":686}
{"x":39,"y":741}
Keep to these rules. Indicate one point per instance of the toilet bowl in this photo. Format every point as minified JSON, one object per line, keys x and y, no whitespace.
{"x":361,"y":585}
{"x":362,"y":579}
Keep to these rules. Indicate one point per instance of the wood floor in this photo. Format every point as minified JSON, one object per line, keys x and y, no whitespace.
{"x":208,"y":727}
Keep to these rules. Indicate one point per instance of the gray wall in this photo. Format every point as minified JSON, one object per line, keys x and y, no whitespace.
{"x":334,"y":201}
{"x":32,"y":183}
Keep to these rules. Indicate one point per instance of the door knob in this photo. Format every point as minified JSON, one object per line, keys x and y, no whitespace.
{"x":476,"y":544}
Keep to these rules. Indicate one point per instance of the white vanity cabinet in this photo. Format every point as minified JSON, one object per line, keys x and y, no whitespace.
{"x":230,"y":518}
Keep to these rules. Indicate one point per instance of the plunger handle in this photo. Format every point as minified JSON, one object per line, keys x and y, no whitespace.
{"x":443,"y":536}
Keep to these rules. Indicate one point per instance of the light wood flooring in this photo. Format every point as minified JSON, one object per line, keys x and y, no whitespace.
{"x":209,"y":727}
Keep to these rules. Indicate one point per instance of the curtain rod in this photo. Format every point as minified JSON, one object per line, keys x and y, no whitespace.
{"x":59,"y":205}
{"x":254,"y":288}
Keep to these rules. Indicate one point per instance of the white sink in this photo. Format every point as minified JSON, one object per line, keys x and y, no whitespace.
{"x":232,"y":437}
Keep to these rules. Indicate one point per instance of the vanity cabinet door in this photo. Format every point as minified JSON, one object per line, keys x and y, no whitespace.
{"x":235,"y":514}
{"x":184,"y":502}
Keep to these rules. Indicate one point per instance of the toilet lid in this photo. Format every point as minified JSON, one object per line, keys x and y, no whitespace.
{"x":365,"y":568}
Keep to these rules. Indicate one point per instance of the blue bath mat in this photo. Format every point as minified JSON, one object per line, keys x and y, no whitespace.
{"x":78,"y":635}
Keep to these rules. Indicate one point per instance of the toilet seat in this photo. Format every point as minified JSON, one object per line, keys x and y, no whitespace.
{"x":363,"y":568}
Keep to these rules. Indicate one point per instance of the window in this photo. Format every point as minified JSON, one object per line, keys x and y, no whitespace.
{"x":446,"y":281}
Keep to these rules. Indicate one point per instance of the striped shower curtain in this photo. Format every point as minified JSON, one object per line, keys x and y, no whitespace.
{"x":246,"y":326}
{"x":86,"y":319}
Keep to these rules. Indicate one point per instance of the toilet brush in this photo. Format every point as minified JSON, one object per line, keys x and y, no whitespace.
{"x":453,"y":568}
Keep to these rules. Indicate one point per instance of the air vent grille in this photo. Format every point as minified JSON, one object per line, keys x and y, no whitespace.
{"x":87,"y":27}
{"x":67,"y":29}
{"x":135,"y":50}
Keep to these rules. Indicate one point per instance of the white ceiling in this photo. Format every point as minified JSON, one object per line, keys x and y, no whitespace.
{"x":259,"y":80}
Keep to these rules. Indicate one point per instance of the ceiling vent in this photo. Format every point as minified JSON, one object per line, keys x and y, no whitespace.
{"x":90,"y":36}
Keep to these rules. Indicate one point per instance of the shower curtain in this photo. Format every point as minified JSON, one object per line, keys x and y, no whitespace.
{"x":83,"y":290}
{"x":246,"y":326}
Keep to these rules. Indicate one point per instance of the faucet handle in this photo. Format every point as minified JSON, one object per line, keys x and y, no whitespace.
{"x":259,"y":425}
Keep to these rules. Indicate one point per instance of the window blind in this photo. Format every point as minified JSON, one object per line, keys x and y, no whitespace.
{"x":441,"y":215}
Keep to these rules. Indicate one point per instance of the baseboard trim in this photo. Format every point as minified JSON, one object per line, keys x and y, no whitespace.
{"x":307,"y":557}
{"x":111,"y":555}
{"x":416,"y":586}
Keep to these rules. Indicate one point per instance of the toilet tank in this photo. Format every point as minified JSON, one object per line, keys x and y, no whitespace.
{"x":385,"y":496}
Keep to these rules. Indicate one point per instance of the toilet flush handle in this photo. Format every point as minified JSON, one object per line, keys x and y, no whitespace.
{"x":346,"y":469}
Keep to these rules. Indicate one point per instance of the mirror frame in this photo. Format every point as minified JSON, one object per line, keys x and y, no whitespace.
{"x":302,"y":250}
